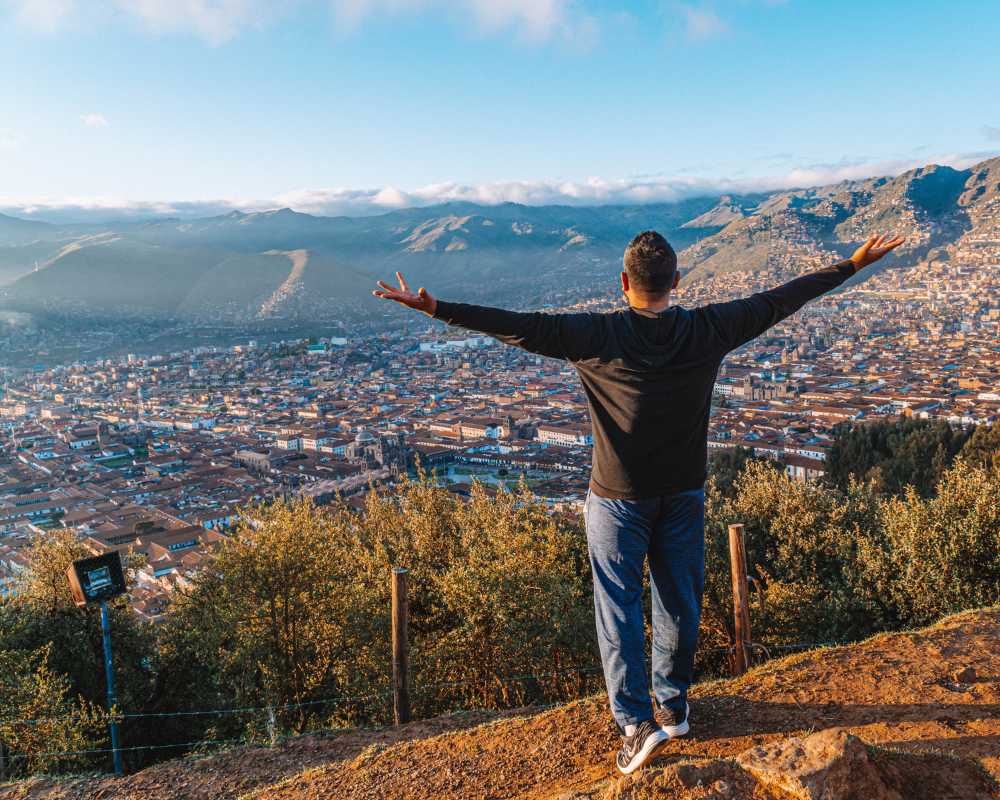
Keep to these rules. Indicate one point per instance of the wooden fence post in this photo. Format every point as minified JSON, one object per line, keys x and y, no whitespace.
{"x":272,"y":725}
{"x":741,"y":599}
{"x":400,"y":647}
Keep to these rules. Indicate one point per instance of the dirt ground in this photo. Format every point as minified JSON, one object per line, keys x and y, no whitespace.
{"x":931,"y":698}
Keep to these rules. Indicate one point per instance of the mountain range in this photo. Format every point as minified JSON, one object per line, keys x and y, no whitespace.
{"x":281,"y":264}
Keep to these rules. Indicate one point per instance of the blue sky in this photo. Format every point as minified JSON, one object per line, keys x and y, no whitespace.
{"x":352,"y":106}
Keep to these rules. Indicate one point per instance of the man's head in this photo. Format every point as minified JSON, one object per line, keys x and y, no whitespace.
{"x":650,"y":269}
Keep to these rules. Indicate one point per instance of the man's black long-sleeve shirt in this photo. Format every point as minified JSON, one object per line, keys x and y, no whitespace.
{"x":648,"y":376}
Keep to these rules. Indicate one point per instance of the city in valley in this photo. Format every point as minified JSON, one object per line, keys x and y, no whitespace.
{"x":450,"y":399}
{"x":158,"y":454}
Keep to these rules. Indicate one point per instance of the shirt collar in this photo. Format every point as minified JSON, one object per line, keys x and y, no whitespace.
{"x":645,"y":312}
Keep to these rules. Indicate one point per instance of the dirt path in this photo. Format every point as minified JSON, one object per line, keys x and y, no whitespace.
{"x":79,"y":244}
{"x":894,"y":690}
{"x":299,"y":259}
{"x":231,"y":773}
{"x":898,"y":690}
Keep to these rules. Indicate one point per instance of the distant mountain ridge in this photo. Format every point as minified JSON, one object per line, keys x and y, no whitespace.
{"x":232,"y":266}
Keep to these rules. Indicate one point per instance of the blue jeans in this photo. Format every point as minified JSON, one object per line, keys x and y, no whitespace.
{"x":621,"y":535}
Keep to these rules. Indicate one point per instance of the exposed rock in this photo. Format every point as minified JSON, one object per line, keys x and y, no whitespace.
{"x":964,"y":675}
{"x":829,"y":765}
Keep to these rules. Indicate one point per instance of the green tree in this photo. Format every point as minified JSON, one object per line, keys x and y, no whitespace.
{"x":801,"y":552}
{"x":983,"y":447}
{"x":835,"y":566}
{"x":262,"y":624}
{"x":517,"y":601}
{"x":727,"y":465}
{"x":894,"y":455}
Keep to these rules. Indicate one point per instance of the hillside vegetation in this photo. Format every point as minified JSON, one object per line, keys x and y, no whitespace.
{"x":288,"y":630}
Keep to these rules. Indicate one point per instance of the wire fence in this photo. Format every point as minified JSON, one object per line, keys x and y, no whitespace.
{"x":336,"y":700}
{"x":266,"y":709}
{"x":121,"y":716}
{"x":340,"y":699}
{"x":108,"y":750}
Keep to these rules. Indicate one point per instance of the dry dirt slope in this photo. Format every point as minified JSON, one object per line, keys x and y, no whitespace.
{"x":933,"y":694}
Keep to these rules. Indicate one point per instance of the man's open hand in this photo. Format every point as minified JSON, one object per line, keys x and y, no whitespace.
{"x":420,"y":300}
{"x":872,"y":250}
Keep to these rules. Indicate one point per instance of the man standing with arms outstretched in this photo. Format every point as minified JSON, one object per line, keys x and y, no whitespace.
{"x":648,"y":372}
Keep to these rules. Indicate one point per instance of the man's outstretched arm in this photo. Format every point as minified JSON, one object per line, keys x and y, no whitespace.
{"x":739,"y":321}
{"x":571,"y":336}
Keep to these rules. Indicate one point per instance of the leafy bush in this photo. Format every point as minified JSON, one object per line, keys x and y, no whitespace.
{"x":932,"y":557}
{"x":801,"y":543}
{"x":295,"y":607}
{"x":838,"y":566}
{"x":726,"y":466}
{"x":39,"y":718}
{"x":40,"y":616}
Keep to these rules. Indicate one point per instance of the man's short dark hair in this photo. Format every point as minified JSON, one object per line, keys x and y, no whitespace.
{"x":650,"y":263}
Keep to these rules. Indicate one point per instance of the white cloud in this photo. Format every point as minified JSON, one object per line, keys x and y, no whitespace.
{"x":592,"y":192}
{"x":42,"y":15}
{"x":533,"y":20}
{"x":94,"y":120}
{"x":214,"y":20}
{"x":702,"y":23}
{"x":218,"y":21}
{"x":824,"y":174}
{"x":10,"y":139}
{"x":103,"y":208}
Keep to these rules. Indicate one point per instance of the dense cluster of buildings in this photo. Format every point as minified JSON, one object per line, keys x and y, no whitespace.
{"x":159,"y":454}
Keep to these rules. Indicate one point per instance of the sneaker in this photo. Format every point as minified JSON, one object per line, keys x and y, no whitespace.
{"x":671,"y":722}
{"x":641,"y":746}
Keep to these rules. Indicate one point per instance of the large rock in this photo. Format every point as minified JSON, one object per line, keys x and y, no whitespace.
{"x":829,"y":765}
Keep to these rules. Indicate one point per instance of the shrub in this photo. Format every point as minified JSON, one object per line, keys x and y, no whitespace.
{"x":837,"y":566}
{"x":39,"y":718}
{"x":40,"y":617}
{"x":938,"y":555}
{"x":295,"y":606}
{"x":801,"y":544}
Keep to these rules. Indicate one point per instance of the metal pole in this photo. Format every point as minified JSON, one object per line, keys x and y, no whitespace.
{"x":400,"y":647}
{"x":109,"y":673}
{"x":741,"y":593}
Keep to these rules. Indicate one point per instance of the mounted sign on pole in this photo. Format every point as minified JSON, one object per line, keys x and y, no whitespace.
{"x":95,"y":581}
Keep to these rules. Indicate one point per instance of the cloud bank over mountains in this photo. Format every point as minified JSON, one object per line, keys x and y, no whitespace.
{"x":366,"y":202}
